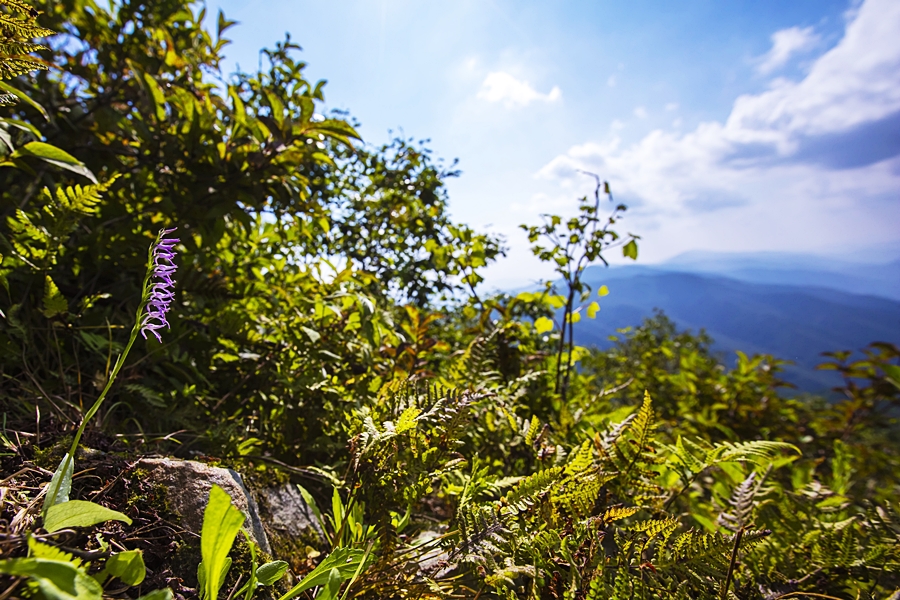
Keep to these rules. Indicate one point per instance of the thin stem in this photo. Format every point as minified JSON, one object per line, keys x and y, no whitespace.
{"x":734,"y":554}
{"x":138,"y":317}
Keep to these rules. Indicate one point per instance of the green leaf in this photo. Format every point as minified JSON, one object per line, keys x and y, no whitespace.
{"x":60,"y":485}
{"x":271,"y":572}
{"x":128,"y":566}
{"x":52,"y":155}
{"x":604,"y":291}
{"x":221,"y":523}
{"x":892,"y":373}
{"x":5,"y":87}
{"x":592,"y":309}
{"x":630,"y":250}
{"x":79,"y":513}
{"x":314,"y":335}
{"x":157,"y":96}
{"x":330,"y":590}
{"x":344,"y":560}
{"x":543,"y":324}
{"x":54,"y":302}
{"x":311,"y":502}
{"x":56,"y":579}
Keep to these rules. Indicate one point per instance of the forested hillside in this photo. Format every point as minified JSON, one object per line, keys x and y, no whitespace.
{"x":212,"y":266}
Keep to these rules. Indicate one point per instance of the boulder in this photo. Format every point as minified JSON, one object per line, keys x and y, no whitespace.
{"x":188,"y":483}
{"x":286,"y":514}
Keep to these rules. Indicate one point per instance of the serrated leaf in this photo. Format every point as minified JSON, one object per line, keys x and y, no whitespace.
{"x":54,"y":302}
{"x":630,"y":250}
{"x":80,"y":513}
{"x":407,"y":419}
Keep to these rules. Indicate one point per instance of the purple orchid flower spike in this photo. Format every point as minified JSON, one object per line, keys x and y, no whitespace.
{"x":159,"y":290}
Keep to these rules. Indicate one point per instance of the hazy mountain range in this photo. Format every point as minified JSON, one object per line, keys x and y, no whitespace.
{"x":794,"y":307}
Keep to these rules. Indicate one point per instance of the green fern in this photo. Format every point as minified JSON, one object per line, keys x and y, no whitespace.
{"x":38,"y":237}
{"x":18,"y":26}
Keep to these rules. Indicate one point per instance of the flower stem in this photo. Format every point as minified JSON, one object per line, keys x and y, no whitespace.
{"x":120,"y":362}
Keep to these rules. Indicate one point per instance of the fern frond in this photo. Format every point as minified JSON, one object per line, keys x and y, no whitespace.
{"x":529,"y":491}
{"x":743,"y":501}
{"x":616,"y":513}
{"x":756,"y":451}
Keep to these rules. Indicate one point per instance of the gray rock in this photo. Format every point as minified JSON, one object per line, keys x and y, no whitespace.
{"x":188,"y":483}
{"x":286,"y":514}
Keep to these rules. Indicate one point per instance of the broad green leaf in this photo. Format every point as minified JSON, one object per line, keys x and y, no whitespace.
{"x":271,"y":572}
{"x":54,"y":302}
{"x":52,"y":155}
{"x":79,"y":513}
{"x":128,"y":566}
{"x":543,"y":324}
{"x":56,"y":579}
{"x":60,"y":485}
{"x":603,"y":291}
{"x":5,"y":87}
{"x":337,"y":510}
{"x":157,"y":96}
{"x":221,"y":523}
{"x":344,"y":560}
{"x":630,"y":250}
{"x":592,"y":309}
{"x":331,"y":589}
{"x":311,"y":502}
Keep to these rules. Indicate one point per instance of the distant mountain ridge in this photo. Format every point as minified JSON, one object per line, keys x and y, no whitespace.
{"x":878,"y":279}
{"x":750,"y":312}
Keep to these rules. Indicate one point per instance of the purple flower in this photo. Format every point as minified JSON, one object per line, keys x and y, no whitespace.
{"x":159,"y":291}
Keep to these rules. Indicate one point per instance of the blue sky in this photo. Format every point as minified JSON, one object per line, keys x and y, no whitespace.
{"x":725,"y":126}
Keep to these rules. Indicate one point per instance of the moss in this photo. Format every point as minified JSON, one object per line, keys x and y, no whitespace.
{"x":49,"y":458}
{"x":259,"y":476}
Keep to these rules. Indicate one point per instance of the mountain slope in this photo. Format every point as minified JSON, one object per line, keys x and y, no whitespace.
{"x":796,"y":323}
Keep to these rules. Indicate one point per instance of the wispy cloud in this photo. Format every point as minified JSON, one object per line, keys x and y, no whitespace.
{"x":797,"y":161}
{"x":785,"y":44}
{"x":505,"y":88}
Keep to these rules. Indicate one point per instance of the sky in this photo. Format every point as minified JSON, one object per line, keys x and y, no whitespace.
{"x":740,"y":126}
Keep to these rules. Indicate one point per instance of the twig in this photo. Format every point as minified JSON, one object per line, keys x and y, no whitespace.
{"x":734,"y":555}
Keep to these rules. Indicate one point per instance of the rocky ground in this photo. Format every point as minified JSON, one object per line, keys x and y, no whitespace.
{"x":165,"y":498}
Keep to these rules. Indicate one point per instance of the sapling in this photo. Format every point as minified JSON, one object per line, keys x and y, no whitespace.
{"x":150,"y":317}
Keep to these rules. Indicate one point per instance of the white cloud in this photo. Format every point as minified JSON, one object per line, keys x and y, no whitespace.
{"x":611,"y":82}
{"x":640,"y":112}
{"x":503,"y":87}
{"x":785,"y":44}
{"x":671,"y":106}
{"x":798,"y":166}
